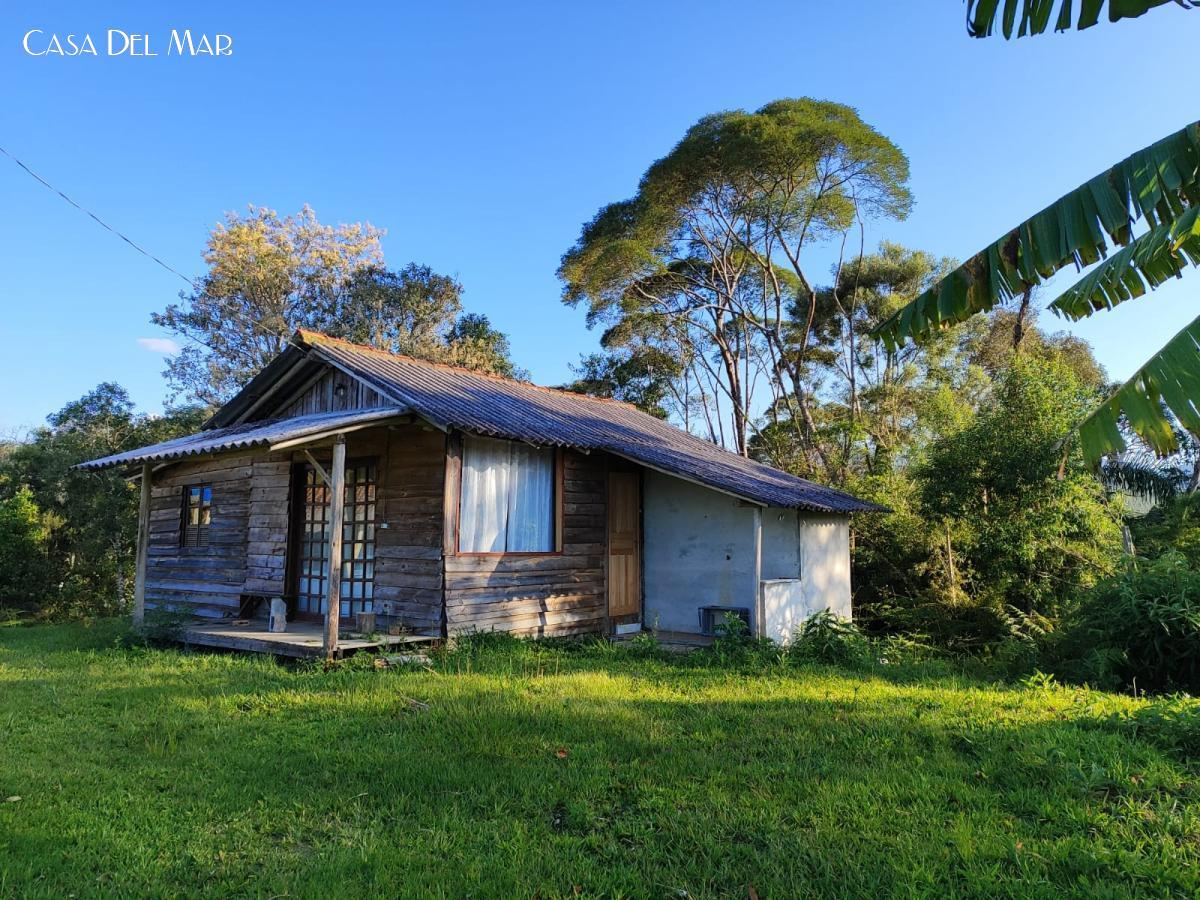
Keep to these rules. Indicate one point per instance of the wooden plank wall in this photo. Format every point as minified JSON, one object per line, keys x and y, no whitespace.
{"x":408,"y":553}
{"x":320,"y":396}
{"x":210,"y":578}
{"x":248,"y":542}
{"x":554,"y":594}
{"x":267,"y":528}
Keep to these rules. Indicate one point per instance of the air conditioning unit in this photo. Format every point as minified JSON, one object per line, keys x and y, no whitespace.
{"x":712,"y":617}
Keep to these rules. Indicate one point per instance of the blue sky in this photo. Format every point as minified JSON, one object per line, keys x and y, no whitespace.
{"x":481,"y":136}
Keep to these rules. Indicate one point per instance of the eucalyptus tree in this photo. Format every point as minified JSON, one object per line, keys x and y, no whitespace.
{"x":714,"y":247}
{"x":880,"y":402}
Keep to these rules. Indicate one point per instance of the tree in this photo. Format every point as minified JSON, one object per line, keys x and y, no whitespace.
{"x":983,"y":16}
{"x":1009,"y":334}
{"x":1159,"y":187}
{"x":877,"y":404}
{"x":1023,"y":528}
{"x":980,"y":530}
{"x":711,"y":250}
{"x":410,"y":311}
{"x":472,"y":342}
{"x":23,"y":558}
{"x":641,"y":378}
{"x":417,"y":312}
{"x":91,"y":517}
{"x":269,"y":276}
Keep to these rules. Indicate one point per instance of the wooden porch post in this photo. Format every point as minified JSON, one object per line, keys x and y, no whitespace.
{"x":337,"y":508}
{"x":143,"y":547}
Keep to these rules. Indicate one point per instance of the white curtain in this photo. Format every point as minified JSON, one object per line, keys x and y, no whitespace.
{"x":507,"y":498}
{"x":531,"y":500}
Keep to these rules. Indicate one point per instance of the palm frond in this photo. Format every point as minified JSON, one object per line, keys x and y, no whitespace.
{"x":1154,"y":258}
{"x":1026,"y":17}
{"x":1172,"y":379}
{"x":1157,"y":185}
{"x":1141,"y":474}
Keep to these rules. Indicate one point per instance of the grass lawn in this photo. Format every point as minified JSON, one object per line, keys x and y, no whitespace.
{"x":553,"y":772}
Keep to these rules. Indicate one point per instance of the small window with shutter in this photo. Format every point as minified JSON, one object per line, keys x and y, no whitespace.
{"x":197,"y":515}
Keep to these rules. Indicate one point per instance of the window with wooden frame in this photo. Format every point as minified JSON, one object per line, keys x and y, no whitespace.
{"x":508,"y":498}
{"x":197,"y":515}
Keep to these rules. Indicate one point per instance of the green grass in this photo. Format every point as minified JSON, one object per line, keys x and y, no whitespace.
{"x":157,"y":772}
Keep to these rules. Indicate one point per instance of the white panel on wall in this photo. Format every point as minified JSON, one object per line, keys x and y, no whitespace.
{"x":825,"y":563}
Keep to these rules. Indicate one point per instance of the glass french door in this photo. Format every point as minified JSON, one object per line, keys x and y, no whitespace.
{"x":358,"y":543}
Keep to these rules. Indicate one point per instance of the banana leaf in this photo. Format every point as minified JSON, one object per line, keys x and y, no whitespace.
{"x":1028,"y":17}
{"x":1155,"y":185}
{"x":1154,"y":258}
{"x":1170,"y":378}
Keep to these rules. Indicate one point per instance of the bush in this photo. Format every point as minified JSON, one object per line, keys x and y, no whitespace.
{"x":1174,"y":525}
{"x":733,"y":644}
{"x":826,"y":638}
{"x":1139,"y":629}
{"x":1013,"y":658}
{"x":162,"y":626}
{"x":22,"y":551}
{"x":1172,"y":724}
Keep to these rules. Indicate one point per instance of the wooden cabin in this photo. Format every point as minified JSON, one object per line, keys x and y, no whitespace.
{"x":392,"y":496}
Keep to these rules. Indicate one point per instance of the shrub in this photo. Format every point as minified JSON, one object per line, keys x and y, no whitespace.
{"x":162,"y":626}
{"x":1018,"y":527}
{"x":1013,"y":658}
{"x":1174,"y":525}
{"x":1140,"y":629}
{"x":23,"y":535}
{"x":1172,"y":723}
{"x":826,"y":638}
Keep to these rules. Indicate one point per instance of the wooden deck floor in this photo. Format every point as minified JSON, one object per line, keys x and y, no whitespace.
{"x":302,"y":639}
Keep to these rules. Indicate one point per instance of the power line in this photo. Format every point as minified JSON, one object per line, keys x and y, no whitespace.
{"x":97,"y":219}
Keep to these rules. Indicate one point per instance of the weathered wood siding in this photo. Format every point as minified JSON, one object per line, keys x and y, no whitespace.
{"x":248,"y":538}
{"x":212,"y":577}
{"x":321,"y":396}
{"x":553,"y":594}
{"x":267,"y":528}
{"x":408,"y":552}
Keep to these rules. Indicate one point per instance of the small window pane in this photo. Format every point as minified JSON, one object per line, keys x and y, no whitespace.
{"x":196,"y":515}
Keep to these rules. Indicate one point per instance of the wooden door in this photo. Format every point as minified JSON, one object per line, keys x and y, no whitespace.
{"x":624,"y":545}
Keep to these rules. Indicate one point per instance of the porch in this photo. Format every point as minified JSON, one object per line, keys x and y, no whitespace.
{"x":302,"y":640}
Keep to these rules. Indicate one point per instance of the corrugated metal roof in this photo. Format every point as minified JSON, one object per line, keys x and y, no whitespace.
{"x":239,"y":437}
{"x":489,"y":405}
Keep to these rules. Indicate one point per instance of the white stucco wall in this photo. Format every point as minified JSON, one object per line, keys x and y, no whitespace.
{"x":699,"y":551}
